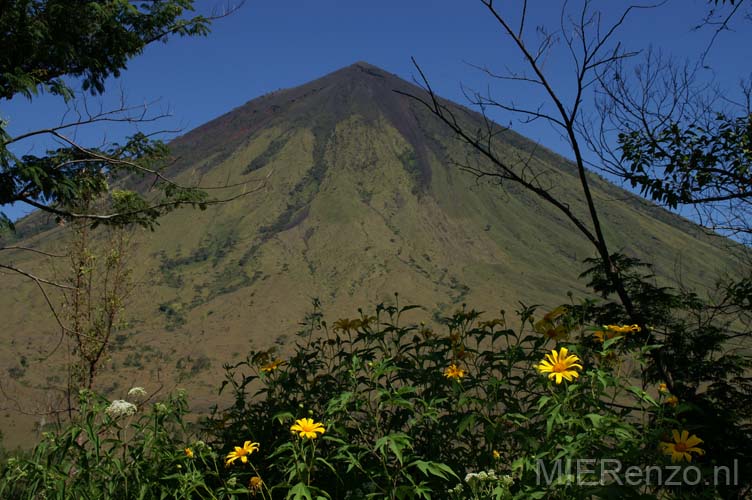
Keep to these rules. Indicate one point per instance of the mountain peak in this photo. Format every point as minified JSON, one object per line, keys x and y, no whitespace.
{"x":362,"y":68}
{"x":360,"y":88}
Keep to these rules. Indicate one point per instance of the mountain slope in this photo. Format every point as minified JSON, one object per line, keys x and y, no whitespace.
{"x":361,"y":200}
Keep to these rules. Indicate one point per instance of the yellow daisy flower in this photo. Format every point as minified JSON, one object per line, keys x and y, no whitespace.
{"x":496,"y":455}
{"x":271,"y":366}
{"x":611,"y":331}
{"x":453,"y":371}
{"x":682,"y":447}
{"x":623,"y":329}
{"x":241,"y":452}
{"x":560,"y":365}
{"x":307,"y":428}
{"x":548,"y":327}
{"x":604,"y":335}
{"x":347,"y":325}
{"x":255,"y":484}
{"x":188,"y":452}
{"x":672,"y":400}
{"x":662,"y":387}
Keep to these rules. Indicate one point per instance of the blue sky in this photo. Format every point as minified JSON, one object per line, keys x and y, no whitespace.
{"x":272,"y":44}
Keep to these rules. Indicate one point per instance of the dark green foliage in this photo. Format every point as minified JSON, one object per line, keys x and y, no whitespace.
{"x":459,"y":290}
{"x":47,"y":44}
{"x":397,"y":427}
{"x":301,"y":195}
{"x":274,"y":147}
{"x":133,"y":360}
{"x":701,"y":354}
{"x":45,"y":41}
{"x":410,"y":163}
{"x":104,"y":455}
{"x":16,"y":372}
{"x":174,"y":315}
{"x":213,"y":247}
{"x":691,"y":164}
{"x":380,"y":388}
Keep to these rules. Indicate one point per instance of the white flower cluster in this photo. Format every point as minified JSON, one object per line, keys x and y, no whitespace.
{"x":480,"y":476}
{"x":483,"y":484}
{"x":120,"y":408}
{"x":137,"y":391}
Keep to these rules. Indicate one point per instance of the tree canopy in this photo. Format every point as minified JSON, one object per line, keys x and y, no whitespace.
{"x":46,"y":41}
{"x":57,"y":46}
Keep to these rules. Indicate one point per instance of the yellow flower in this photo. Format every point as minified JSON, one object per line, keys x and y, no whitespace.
{"x":241,"y":452}
{"x":270,"y":367}
{"x":552,"y":315}
{"x":307,"y":428}
{"x":255,"y":484}
{"x":622,"y":329}
{"x":547,"y":326}
{"x":560,"y":365}
{"x":188,"y":452}
{"x":496,"y":455}
{"x":602,"y":336}
{"x":611,"y":331}
{"x":682,"y":447}
{"x":453,"y":371}
{"x":489,"y":325}
{"x":662,"y":387}
{"x":672,"y":400}
{"x":346,"y":325}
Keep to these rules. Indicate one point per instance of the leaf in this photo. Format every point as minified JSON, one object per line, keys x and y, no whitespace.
{"x":467,"y":422}
{"x":552,"y":418}
{"x":642,"y":395}
{"x":608,"y":343}
{"x":299,"y":491}
{"x":595,"y":419}
{"x":435,"y":469}
{"x":283,"y":416}
{"x":396,"y":443}
{"x":542,"y":401}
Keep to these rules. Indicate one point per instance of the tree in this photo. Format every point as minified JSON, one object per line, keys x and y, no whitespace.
{"x":99,"y":283}
{"x":669,"y":131}
{"x":678,"y":140}
{"x":690,"y":341}
{"x":55,"y":45}
{"x":48,"y":45}
{"x":591,"y":46}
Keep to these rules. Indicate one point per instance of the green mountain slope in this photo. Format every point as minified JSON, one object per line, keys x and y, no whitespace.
{"x":361,"y":200}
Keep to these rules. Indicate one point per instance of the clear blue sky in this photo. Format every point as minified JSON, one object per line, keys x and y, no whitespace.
{"x":273,"y":44}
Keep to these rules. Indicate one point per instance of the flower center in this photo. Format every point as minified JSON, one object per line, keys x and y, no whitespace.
{"x":680,"y":447}
{"x":559,"y":367}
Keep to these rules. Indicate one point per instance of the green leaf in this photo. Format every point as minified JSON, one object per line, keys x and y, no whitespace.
{"x":637,"y":391}
{"x":396,"y":443}
{"x":435,"y":469}
{"x":542,"y":401}
{"x":608,"y":343}
{"x":594,"y":418}
{"x":283,"y":416}
{"x":299,"y":492}
{"x":468,"y":422}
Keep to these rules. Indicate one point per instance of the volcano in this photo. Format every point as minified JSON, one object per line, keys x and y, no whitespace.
{"x":361,"y":199}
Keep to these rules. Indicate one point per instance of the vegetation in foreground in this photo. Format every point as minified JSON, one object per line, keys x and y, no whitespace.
{"x":375,"y":407}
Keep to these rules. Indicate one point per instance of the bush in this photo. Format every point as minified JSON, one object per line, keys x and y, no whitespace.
{"x":119,"y":450}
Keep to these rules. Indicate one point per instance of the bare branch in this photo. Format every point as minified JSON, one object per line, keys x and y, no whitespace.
{"x":722,"y":25}
{"x":35,"y":278}
{"x":27,"y":249}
